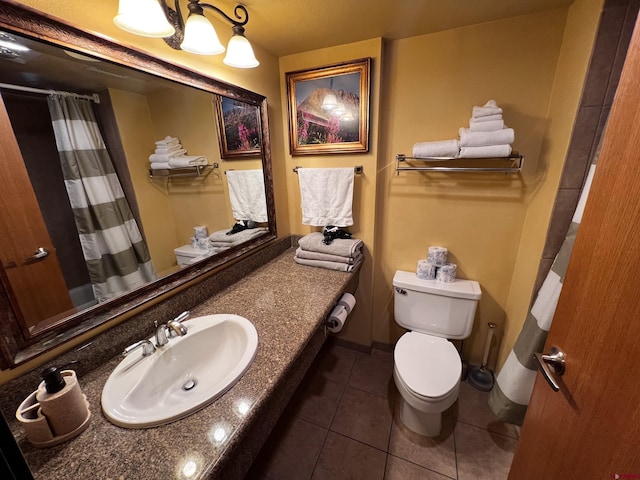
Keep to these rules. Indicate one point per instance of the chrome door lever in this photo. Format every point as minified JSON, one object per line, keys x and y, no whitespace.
{"x":551,"y":364}
{"x":41,"y":253}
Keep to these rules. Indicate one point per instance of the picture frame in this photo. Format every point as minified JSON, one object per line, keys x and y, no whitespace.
{"x":328,"y":108}
{"x":239,"y":128}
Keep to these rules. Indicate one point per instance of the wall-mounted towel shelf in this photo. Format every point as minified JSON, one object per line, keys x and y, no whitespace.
{"x":357,"y":169}
{"x":194,"y":171}
{"x":511,"y":164}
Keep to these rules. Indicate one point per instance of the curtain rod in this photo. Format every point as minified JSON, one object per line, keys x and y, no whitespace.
{"x":94,"y":98}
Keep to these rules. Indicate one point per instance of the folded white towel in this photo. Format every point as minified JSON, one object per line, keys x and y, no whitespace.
{"x":442,"y":148}
{"x":327,"y":257}
{"x":184,"y":161}
{"x":471,"y":138}
{"x":166,"y":141}
{"x":489,"y":108}
{"x":246,"y":194}
{"x":488,"y":118}
{"x":159,"y":166}
{"x":344,"y":247}
{"x":492,"y":151}
{"x":341,"y":267}
{"x":220,"y":238}
{"x":165,"y":157}
{"x":327,"y":196}
{"x":486,"y":126}
{"x":171,"y":149}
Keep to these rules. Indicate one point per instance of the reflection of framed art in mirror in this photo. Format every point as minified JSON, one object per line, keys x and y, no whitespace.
{"x":239,"y":131}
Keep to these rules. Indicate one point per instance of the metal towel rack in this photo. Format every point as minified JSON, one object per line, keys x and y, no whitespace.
{"x":193,"y":171}
{"x":357,"y":169}
{"x":515,"y":162}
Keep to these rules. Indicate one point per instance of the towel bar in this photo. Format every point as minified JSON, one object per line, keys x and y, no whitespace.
{"x":357,"y":169}
{"x":194,"y":171}
{"x":513,"y":168}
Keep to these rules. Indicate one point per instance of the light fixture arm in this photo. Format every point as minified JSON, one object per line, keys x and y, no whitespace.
{"x":243,"y":18}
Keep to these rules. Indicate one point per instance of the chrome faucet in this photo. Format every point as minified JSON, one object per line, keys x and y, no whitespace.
{"x":148,"y":348}
{"x":174,"y":327}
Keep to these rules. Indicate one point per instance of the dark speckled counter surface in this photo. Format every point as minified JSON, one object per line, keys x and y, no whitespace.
{"x":287,"y":304}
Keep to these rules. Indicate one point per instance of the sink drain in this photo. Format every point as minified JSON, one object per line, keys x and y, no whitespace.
{"x":189,"y":385}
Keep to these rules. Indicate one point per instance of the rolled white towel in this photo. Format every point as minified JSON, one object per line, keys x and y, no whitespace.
{"x":165,"y":157}
{"x":486,"y":126}
{"x":160,"y":166}
{"x":488,"y":118}
{"x":166,"y":141}
{"x":492,"y":151}
{"x":442,"y":148}
{"x":489,"y":108}
{"x":470,"y":138}
{"x":184,"y":161}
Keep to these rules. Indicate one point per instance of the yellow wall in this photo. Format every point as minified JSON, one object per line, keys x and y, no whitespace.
{"x":358,"y":329}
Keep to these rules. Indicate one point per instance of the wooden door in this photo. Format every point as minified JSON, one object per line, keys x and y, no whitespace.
{"x":36,"y":286}
{"x":591,"y":428}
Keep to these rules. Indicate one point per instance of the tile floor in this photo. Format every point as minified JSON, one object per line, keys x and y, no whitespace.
{"x":342,"y":423}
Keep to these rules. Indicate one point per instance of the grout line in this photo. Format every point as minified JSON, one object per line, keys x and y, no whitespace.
{"x":421,"y":466}
{"x":455,"y":446}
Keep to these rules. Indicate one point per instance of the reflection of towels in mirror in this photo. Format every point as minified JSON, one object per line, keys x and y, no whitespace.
{"x":246,"y":194}
{"x":221,"y":239}
{"x":327,"y":196}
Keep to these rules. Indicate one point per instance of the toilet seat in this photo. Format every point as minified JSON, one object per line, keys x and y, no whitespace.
{"x":428,"y":366}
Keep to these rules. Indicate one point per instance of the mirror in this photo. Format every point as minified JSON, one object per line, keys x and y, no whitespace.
{"x":144,"y":104}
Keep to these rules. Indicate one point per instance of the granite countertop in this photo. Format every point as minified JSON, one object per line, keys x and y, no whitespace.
{"x":287,"y":304}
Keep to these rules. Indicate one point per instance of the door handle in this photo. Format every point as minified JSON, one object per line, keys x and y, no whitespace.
{"x":551,"y":364}
{"x":41,"y":253}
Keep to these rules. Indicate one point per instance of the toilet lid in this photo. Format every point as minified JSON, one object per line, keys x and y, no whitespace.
{"x":428,"y":365}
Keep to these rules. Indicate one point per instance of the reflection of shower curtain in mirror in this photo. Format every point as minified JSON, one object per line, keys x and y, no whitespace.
{"x":116,"y":255}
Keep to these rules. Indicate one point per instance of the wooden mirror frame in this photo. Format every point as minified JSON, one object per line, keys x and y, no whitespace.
{"x":15,"y":349}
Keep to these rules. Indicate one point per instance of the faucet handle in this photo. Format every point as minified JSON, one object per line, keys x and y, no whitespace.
{"x":176,"y":329}
{"x":182,"y":317}
{"x":148,"y":348}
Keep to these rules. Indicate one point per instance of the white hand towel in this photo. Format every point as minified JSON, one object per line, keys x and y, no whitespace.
{"x":187,"y":161}
{"x":166,"y":141}
{"x":165,"y":157}
{"x":489,"y":108}
{"x":470,"y":138}
{"x":344,"y":247}
{"x":443,"y":148}
{"x":327,"y":196}
{"x":246,"y":193}
{"x":160,"y":166}
{"x":171,"y":149}
{"x":486,"y":126}
{"x":341,"y":267}
{"x":488,"y":118}
{"x":492,"y":151}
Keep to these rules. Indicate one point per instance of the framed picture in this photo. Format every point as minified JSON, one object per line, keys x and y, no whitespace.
{"x":329,"y":109}
{"x":239,"y":128}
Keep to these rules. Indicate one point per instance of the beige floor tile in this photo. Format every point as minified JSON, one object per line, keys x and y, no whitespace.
{"x":472,"y":408}
{"x":481,"y":454}
{"x":316,"y":400}
{"x":399,"y":469}
{"x":437,"y":453}
{"x":335,"y":363}
{"x":364,"y":417}
{"x":342,"y":458}
{"x":291,"y":451}
{"x":373,"y":375}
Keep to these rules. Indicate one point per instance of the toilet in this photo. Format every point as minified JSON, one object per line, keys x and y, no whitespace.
{"x":187,"y":255}
{"x":427,"y":366}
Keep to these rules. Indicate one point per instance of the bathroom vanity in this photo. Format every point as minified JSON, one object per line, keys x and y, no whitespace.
{"x":287,"y":304}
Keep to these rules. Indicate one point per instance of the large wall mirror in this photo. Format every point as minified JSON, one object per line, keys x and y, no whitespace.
{"x":112,"y":167}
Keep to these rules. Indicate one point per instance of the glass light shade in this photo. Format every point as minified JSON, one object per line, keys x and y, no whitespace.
{"x":330,"y":102}
{"x":240,"y":54}
{"x":339,"y":110}
{"x":200,"y":37}
{"x":143,"y":17}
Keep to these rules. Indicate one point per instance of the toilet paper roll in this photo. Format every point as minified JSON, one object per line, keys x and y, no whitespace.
{"x":336,"y":319}
{"x":200,"y":231}
{"x":437,"y":255}
{"x":348,"y":301}
{"x":447,"y":273}
{"x":426,"y":270}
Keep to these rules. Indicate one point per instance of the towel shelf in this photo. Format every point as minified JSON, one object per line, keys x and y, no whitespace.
{"x":511,"y":164}
{"x":195,"y":171}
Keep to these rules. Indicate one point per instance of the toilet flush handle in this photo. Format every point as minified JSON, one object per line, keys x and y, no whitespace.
{"x":401,"y":291}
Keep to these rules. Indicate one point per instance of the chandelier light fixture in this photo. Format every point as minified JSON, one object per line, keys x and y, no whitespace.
{"x":154,"y":18}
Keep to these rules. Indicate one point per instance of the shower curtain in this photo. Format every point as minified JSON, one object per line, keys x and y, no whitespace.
{"x":514,"y":384}
{"x":116,"y":255}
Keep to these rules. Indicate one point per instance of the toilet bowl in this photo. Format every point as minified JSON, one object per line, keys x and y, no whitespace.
{"x":427,"y":366}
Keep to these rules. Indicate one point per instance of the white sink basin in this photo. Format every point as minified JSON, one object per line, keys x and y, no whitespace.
{"x":185,"y":375}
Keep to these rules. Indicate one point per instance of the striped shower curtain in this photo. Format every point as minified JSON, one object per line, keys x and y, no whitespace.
{"x":116,"y":255}
{"x":514,"y":384}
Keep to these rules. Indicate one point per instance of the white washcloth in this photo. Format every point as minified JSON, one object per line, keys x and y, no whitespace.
{"x":492,"y":151}
{"x":246,"y":193}
{"x":486,"y":126}
{"x":184,"y":161}
{"x":442,"y":148}
{"x":160,"y":166}
{"x":344,"y":247}
{"x":167,"y":141}
{"x":327,"y":196}
{"x":165,"y":157}
{"x":471,"y":138}
{"x":489,"y":108}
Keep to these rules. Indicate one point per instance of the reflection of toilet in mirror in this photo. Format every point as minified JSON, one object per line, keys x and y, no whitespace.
{"x":427,"y":366}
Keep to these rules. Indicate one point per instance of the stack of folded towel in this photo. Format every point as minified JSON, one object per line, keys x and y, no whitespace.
{"x":344,"y":255}
{"x":487,"y":135}
{"x":220,"y":241}
{"x":170,"y":154}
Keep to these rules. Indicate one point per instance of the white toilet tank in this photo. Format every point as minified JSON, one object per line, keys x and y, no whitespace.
{"x":435,"y":308}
